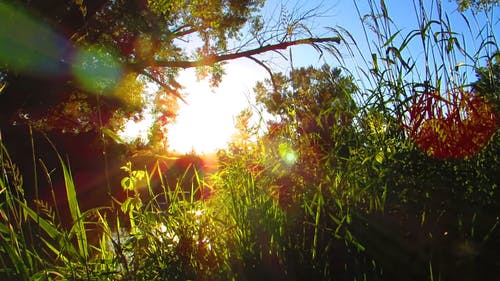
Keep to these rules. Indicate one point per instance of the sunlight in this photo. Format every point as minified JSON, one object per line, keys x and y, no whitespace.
{"x":204,"y":125}
{"x":207,"y":122}
{"x":133,"y":130}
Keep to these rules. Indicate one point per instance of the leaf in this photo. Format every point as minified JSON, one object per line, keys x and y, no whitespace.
{"x":83,"y":8}
{"x":384,"y":9}
{"x":365,"y":160}
{"x":131,"y":203}
{"x":80,"y":232}
{"x":50,"y":230}
{"x":125,"y":205}
{"x":74,"y":208}
{"x":375,"y":62}
{"x":127,"y":167}
{"x":138,"y":175}
{"x":379,"y":157}
{"x":112,"y":135}
{"x":389,"y":41}
{"x":127,"y":183}
{"x":14,"y":257}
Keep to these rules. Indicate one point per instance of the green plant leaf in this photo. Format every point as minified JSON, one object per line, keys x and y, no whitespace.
{"x":114,"y":136}
{"x":76,"y":215}
{"x":380,"y":157}
{"x":48,"y":227}
{"x":127,"y":183}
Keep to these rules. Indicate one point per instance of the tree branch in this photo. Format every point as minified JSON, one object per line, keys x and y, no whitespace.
{"x":271,"y":75}
{"x":166,"y":87}
{"x":211,"y":60}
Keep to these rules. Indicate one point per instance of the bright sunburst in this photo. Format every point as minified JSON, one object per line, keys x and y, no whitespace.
{"x":207,"y":122}
{"x":133,"y":130}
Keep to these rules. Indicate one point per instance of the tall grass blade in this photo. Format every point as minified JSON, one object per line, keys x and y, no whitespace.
{"x":45,"y":225}
{"x":76,"y":215}
{"x":52,"y":231}
{"x":20,"y":266}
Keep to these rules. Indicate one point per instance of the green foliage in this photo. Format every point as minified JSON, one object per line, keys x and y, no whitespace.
{"x":317,"y":120}
{"x":161,"y":236}
{"x":32,"y":241}
{"x":476,"y":5}
{"x":436,"y":204}
{"x":91,"y":61}
{"x":488,"y":82}
{"x":315,"y":168}
{"x":334,"y":187}
{"x":256,"y":224}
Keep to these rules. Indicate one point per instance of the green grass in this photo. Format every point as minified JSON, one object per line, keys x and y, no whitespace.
{"x":249,"y":229}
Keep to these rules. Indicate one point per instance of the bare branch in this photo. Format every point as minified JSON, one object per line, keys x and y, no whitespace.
{"x":166,"y":87}
{"x":183,"y":31}
{"x":211,"y":60}
{"x":267,"y":69}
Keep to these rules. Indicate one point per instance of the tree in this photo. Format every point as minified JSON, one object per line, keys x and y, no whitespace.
{"x":312,"y":124}
{"x":111,"y":49}
{"x":242,"y":138}
{"x":312,"y":103}
{"x":476,"y":5}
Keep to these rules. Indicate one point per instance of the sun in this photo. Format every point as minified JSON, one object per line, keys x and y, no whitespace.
{"x":203,"y":125}
{"x":207,"y":122}
{"x":133,"y":130}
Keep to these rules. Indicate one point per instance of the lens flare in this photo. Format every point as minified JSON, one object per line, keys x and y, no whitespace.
{"x":29,"y":46}
{"x":97,"y":70}
{"x":287,"y":153}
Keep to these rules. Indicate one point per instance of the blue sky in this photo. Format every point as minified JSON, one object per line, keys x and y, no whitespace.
{"x":343,"y":13}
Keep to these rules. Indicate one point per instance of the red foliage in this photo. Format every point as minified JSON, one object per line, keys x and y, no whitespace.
{"x":456,"y":126}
